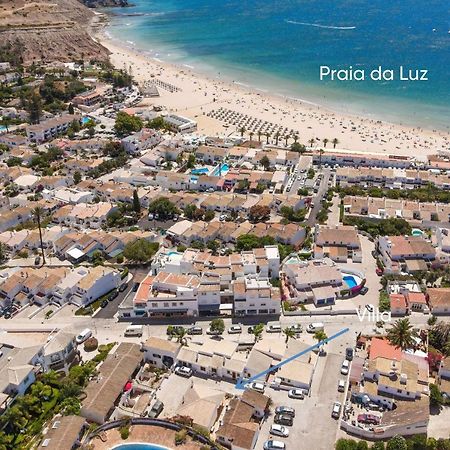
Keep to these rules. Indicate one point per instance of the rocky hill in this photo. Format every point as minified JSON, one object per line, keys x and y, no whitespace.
{"x":49,"y":30}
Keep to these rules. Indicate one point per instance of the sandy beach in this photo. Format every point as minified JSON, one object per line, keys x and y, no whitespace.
{"x":200,"y":96}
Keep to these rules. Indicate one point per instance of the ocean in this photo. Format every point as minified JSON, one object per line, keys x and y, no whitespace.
{"x":279,"y":46}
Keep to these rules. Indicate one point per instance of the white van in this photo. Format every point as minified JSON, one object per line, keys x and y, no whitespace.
{"x":273,"y":328}
{"x":85,"y":334}
{"x":313,"y":327}
{"x":134,"y":330}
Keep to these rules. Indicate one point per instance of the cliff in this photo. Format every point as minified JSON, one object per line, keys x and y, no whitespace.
{"x":49,"y":30}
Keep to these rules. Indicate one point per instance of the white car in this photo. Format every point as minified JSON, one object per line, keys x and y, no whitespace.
{"x":235,"y":329}
{"x":341,"y":386}
{"x":345,"y":367}
{"x":213,"y":332}
{"x":255,"y":386}
{"x":336,"y":411}
{"x":182,"y":371}
{"x":274,"y":445}
{"x":279,"y":430}
{"x":296,"y":393}
{"x":274,"y":328}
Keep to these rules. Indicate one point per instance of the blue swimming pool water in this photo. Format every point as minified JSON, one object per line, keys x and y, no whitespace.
{"x":200,"y":171}
{"x":85,"y":120}
{"x":2,"y":128}
{"x":350,"y":281}
{"x":222,"y":169}
{"x":172,"y":253}
{"x":138,"y":446}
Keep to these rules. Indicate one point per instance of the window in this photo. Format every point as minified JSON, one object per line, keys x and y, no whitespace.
{"x":174,"y":303}
{"x":154,"y":305}
{"x":166,"y":305}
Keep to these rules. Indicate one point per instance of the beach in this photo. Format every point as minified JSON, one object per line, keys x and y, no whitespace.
{"x":200,"y":96}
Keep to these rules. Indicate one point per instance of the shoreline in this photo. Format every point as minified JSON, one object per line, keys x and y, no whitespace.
{"x":354,"y":132}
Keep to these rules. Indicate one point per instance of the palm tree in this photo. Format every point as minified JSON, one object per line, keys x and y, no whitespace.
{"x":15,"y":419}
{"x":295,"y":138}
{"x":37,"y":213}
{"x":325,"y":142}
{"x":311,"y":142}
{"x":335,"y":142}
{"x":251,"y":135}
{"x":242,"y":131}
{"x":286,"y":137}
{"x":259,"y":135}
{"x":277,"y":136}
{"x":257,"y":331}
{"x":402,"y":334}
{"x":440,"y":334}
{"x":289,"y":333}
{"x":181,"y":333}
{"x":267,"y":137}
{"x":320,"y":335}
{"x":321,"y":152}
{"x":41,"y":391}
{"x":51,"y":377}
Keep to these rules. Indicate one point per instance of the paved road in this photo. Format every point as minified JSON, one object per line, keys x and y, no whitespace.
{"x":311,"y":221}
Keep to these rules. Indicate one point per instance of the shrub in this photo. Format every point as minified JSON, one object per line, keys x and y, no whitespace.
{"x":124,"y":432}
{"x":90,"y":344}
{"x":180,"y":436}
{"x":119,"y":259}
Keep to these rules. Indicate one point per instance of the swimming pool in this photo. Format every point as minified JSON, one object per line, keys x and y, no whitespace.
{"x":221,"y":169}
{"x":86,"y":119}
{"x":350,"y":281}
{"x":139,"y":446}
{"x":417,"y":232}
{"x":200,"y":171}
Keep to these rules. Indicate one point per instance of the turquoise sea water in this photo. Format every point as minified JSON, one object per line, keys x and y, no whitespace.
{"x":280,"y":45}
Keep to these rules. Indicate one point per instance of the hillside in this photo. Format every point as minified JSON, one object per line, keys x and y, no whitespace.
{"x":49,"y":30}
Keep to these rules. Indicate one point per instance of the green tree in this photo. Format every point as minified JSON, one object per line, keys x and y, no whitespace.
{"x":436,"y":397}
{"x":397,"y":443}
{"x":34,"y":108}
{"x":140,"y":250}
{"x":258,"y":331}
{"x":70,"y":109}
{"x":164,"y":208}
{"x":265,"y":162}
{"x":289,"y":333}
{"x":41,"y":391}
{"x":126,"y":124}
{"x":136,"y":202}
{"x":379,"y":445}
{"x":77,"y":177}
{"x":402,"y":334}
{"x":217,"y":325}
{"x":213,"y":245}
{"x":299,"y":148}
{"x":209,"y":215}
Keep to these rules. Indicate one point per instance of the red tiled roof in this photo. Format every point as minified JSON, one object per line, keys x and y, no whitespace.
{"x":382,"y":348}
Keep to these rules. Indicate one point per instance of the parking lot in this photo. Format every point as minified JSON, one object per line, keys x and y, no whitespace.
{"x":312,"y":413}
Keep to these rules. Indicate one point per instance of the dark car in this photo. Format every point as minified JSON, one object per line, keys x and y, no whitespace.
{"x":156,"y":409}
{"x":364,"y":290}
{"x":37,"y":260}
{"x":7,"y":315}
{"x":369,"y":419}
{"x":122,"y":287}
{"x":349,"y":353}
{"x":113,"y":295}
{"x":284,"y":419}
{"x":104,"y":303}
{"x":195,"y":330}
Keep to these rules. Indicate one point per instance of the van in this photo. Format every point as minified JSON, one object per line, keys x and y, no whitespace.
{"x":134,"y":330}
{"x":313,"y":327}
{"x":84,"y":335}
{"x":274,"y":328}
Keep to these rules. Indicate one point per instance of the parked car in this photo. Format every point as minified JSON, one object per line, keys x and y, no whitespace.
{"x":297,"y":328}
{"x":313,"y":327}
{"x":156,"y":409}
{"x":296,"y":393}
{"x":279,"y":430}
{"x":274,"y":328}
{"x":85,"y":334}
{"x":349,"y":353}
{"x":274,"y":445}
{"x":255,"y":386}
{"x":285,"y":410}
{"x":113,"y":295}
{"x":235,"y":329}
{"x":195,"y":330}
{"x":182,"y":371}
{"x":341,"y":386}
{"x":122,"y":287}
{"x":104,"y":303}
{"x":212,"y":332}
{"x":345,"y":367}
{"x":284,"y":419}
{"x":364,"y":290}
{"x":336,"y":411}
{"x":37,"y":260}
{"x":369,"y":419}
{"x":379,"y":271}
